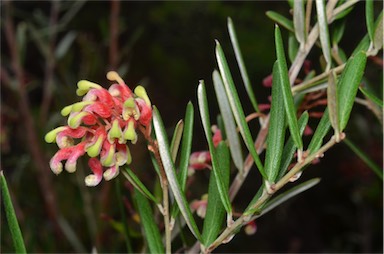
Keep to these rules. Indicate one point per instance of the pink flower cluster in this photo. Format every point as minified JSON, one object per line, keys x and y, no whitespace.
{"x":101,"y":126}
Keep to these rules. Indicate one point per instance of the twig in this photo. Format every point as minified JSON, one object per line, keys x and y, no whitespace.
{"x":229,"y":231}
{"x":32,"y":141}
{"x":50,"y":63}
{"x":114,"y":34}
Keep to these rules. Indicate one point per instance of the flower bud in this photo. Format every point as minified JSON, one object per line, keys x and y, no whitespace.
{"x":111,"y":173}
{"x":50,"y":137}
{"x":107,"y":159}
{"x":142,"y":93}
{"x":66,"y":110}
{"x":94,"y":150}
{"x":84,"y":86}
{"x":130,"y":132}
{"x":95,"y":178}
{"x":115,"y":131}
{"x":74,"y":119}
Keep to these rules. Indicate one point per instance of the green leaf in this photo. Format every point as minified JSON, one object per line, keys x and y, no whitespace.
{"x":169,"y":168}
{"x":332,"y":101}
{"x":123,"y":214}
{"x":236,"y":106}
{"x":369,"y":18}
{"x":147,"y":219}
{"x":298,"y":21}
{"x":281,"y":20}
{"x":323,"y":30}
{"x":362,"y":46}
{"x":370,"y":95}
{"x":229,"y":121}
{"x":288,"y":195}
{"x":10,"y":214}
{"x":321,"y":130}
{"x":240,"y":62}
{"x":286,"y":90}
{"x":175,"y":143}
{"x":344,"y":13}
{"x":204,"y":113}
{"x":215,"y":212}
{"x":348,"y":85}
{"x":293,"y":47}
{"x":364,"y":157}
{"x":135,"y":181}
{"x":276,"y":131}
{"x":378,"y":35}
{"x":186,"y":145}
{"x":290,"y":148}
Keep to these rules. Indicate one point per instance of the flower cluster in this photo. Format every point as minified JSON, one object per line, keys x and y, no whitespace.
{"x":100,"y":125}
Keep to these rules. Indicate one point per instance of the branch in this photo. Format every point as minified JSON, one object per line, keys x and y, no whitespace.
{"x":32,"y":139}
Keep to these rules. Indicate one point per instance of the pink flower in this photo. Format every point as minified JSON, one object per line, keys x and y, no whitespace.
{"x":200,"y":160}
{"x":101,"y":126}
{"x":200,"y":206}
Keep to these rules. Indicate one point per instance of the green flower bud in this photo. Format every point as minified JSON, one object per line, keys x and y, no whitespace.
{"x":141,"y":93}
{"x":130,"y":132}
{"x":50,"y":137}
{"x":66,"y":110}
{"x":94,"y":150}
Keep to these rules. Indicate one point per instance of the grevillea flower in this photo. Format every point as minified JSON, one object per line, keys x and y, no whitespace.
{"x":101,"y":126}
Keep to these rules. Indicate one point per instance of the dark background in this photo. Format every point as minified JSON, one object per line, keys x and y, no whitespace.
{"x":168,"y":47}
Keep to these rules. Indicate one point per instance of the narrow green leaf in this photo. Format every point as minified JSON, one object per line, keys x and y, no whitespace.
{"x":286,"y":90}
{"x":151,"y":231}
{"x":240,"y":62}
{"x":215,"y":213}
{"x":288,"y":195}
{"x":229,"y":121}
{"x":204,"y":113}
{"x":369,"y":18}
{"x":298,"y":21}
{"x":175,"y":143}
{"x":169,"y":168}
{"x":332,"y":101}
{"x":260,"y":211}
{"x":13,"y":224}
{"x":364,"y":157}
{"x":135,"y":181}
{"x":281,"y":20}
{"x":290,"y":148}
{"x":123,"y":214}
{"x":370,"y":95}
{"x":186,"y":145}
{"x":362,"y":46}
{"x":344,"y":13}
{"x":185,"y":153}
{"x":321,"y":130}
{"x":236,"y":106}
{"x":338,"y":31}
{"x":323,"y":29}
{"x":378,"y":35}
{"x":276,"y":131}
{"x":348,"y":85}
{"x":293,"y":47}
